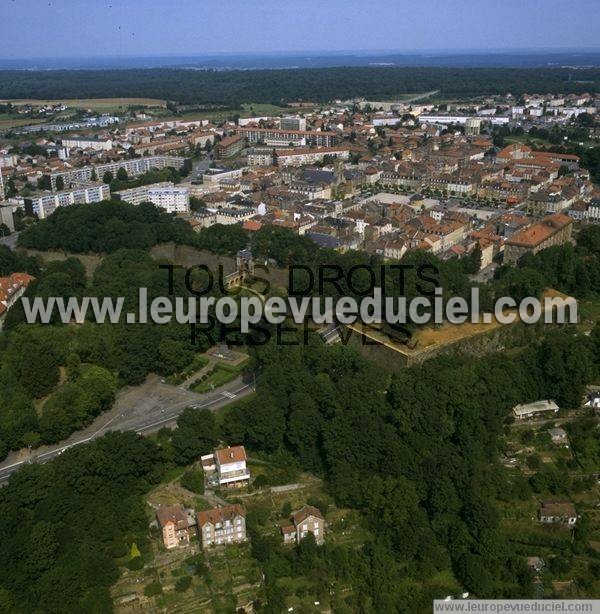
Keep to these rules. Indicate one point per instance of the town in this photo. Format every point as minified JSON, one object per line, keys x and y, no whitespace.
{"x":299,"y":307}
{"x":385,"y":178}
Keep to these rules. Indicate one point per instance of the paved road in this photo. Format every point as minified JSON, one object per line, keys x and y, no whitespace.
{"x":144,"y":409}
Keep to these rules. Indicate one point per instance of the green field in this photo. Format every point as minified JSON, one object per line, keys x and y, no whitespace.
{"x":97,"y":104}
{"x":219,"y":375}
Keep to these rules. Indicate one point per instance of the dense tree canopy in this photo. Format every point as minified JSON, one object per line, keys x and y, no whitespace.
{"x":62,"y":525}
{"x":106,"y":227}
{"x":234,"y":87}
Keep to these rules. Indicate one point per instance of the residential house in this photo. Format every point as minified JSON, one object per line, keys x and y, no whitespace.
{"x":231,"y":467}
{"x":559,"y":436}
{"x":307,"y":519}
{"x":176,"y":524}
{"x":557,"y":512}
{"x":222,"y":525}
{"x":544,"y":408}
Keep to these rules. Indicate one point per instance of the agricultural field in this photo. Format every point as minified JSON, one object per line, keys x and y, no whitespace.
{"x":246,"y":110}
{"x":10,"y":121}
{"x":96,"y":104}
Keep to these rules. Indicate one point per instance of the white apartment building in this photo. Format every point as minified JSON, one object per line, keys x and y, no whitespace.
{"x":166,"y":195}
{"x":260,"y":157}
{"x":219,"y":175}
{"x":458,"y":119}
{"x":87,"y":143}
{"x":298,"y":157}
{"x":134,"y":167}
{"x":45,"y":204}
{"x":301,"y":138}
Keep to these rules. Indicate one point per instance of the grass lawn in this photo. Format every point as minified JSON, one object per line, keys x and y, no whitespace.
{"x":219,"y":375}
{"x":199,"y":362}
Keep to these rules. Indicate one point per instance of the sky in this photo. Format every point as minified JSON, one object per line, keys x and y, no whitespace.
{"x":89,"y":28}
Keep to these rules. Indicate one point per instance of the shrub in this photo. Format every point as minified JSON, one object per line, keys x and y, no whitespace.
{"x":152,"y":589}
{"x":194,"y":481}
{"x":183,"y":584}
{"x":136,"y":563}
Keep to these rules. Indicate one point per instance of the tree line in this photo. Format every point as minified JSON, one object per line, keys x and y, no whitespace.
{"x":234,"y":87}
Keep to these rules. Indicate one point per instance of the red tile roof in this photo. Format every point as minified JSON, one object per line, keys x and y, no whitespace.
{"x":220,"y":514}
{"x":231,"y":455}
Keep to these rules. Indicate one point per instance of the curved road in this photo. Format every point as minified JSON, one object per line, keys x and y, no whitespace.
{"x":144,"y":409}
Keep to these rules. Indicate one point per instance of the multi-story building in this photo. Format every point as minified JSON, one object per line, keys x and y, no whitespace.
{"x":307,"y":519}
{"x":552,"y":230}
{"x":6,"y":216}
{"x":134,"y":167}
{"x":230,"y":145}
{"x":292,"y":122}
{"x":222,"y":525}
{"x":473,"y":126}
{"x":217,"y":176}
{"x":282,"y":138}
{"x":46,"y":203}
{"x":260,"y":156}
{"x":176,"y":524}
{"x":458,"y":119}
{"x":298,"y":157}
{"x":87,"y":143}
{"x":312,"y":191}
{"x":231,"y":467}
{"x":230,"y":215}
{"x":166,"y":195}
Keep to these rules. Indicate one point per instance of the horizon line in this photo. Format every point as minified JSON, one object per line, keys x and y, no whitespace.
{"x":316,"y":52}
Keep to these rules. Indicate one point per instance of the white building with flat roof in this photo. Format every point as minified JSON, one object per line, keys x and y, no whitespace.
{"x":44,"y":204}
{"x":545,"y":408}
{"x":166,"y":195}
{"x":134,"y":167}
{"x":96,"y":144}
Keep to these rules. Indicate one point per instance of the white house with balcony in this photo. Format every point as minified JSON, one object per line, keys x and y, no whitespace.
{"x":231,"y":467}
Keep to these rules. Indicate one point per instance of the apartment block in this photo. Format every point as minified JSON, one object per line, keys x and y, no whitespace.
{"x":293,"y":122}
{"x":134,"y":167}
{"x":230,"y":146}
{"x":46,"y":203}
{"x":165,"y":195}
{"x":282,"y":138}
{"x":87,"y":143}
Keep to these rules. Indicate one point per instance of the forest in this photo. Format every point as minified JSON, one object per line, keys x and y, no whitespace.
{"x":234,"y":87}
{"x":416,"y":453}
